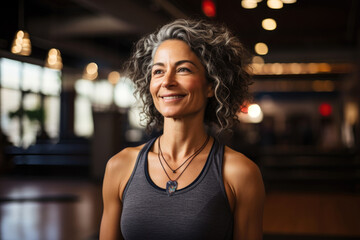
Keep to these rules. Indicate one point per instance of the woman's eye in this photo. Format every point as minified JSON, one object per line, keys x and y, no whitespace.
{"x":183,"y":69}
{"x":157,"y":71}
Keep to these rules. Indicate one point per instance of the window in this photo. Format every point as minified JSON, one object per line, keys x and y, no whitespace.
{"x":30,"y":101}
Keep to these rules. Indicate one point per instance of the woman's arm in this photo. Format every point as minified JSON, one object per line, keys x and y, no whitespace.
{"x":246,"y":195}
{"x":110,"y":222}
{"x":117,"y":174}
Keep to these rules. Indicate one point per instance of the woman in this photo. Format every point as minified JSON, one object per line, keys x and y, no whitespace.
{"x":184,"y":184}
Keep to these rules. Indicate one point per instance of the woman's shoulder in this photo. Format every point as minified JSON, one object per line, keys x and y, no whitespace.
{"x":123,"y":159}
{"x":240,"y":169}
{"x":238,"y":160}
{"x":119,"y":168}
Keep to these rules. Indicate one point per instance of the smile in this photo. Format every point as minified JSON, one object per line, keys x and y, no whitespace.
{"x":173,"y":97}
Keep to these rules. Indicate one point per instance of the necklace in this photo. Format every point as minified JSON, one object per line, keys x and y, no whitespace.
{"x":192,"y":155}
{"x":171,"y":185}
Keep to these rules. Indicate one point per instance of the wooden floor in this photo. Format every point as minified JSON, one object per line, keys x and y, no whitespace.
{"x":49,"y":209}
{"x":70,"y":209}
{"x":313,"y":214}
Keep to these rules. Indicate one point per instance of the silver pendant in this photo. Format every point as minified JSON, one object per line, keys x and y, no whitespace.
{"x":171,"y":187}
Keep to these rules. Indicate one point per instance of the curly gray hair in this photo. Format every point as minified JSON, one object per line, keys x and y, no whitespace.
{"x":222,"y":55}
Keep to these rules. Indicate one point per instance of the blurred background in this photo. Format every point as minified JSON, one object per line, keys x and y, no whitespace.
{"x":65,"y":109}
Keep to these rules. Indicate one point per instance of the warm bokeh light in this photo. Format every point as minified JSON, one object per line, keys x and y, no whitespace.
{"x":252,"y":114}
{"x":21,"y":44}
{"x":254,"y":110}
{"x":288,"y":1}
{"x":277,"y":68}
{"x":294,"y":86}
{"x":91,"y":68}
{"x":275,"y":4}
{"x":269,"y":24}
{"x":295,"y":68}
{"x":261,"y":48}
{"x":351,"y":113}
{"x":54,"y":59}
{"x":257,"y":64}
{"x":209,"y":8}
{"x":114,"y":77}
{"x":249,"y":4}
{"x":259,"y":67}
{"x":324,"y":67}
{"x":258,"y":60}
{"x":312,"y":68}
{"x":91,"y":71}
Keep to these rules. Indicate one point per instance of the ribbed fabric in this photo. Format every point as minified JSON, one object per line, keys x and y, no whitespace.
{"x":199,"y":211}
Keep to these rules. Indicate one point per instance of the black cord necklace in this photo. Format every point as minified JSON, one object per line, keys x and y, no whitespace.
{"x":171,"y":185}
{"x":192,"y":155}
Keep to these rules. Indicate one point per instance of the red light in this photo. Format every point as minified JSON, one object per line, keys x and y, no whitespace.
{"x":244,"y":109}
{"x":325,"y":109}
{"x":208,"y":7}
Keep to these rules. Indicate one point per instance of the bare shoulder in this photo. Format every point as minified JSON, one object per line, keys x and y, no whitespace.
{"x":123,"y":159}
{"x":120,"y":166}
{"x":239,"y":171}
{"x":236,"y":163}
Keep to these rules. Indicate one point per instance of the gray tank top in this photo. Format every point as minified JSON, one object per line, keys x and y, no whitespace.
{"x":198,"y":211}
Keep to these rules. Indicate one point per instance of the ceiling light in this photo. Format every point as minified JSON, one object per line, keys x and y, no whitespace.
{"x":261,"y":48}
{"x":114,"y":77}
{"x":21,"y":44}
{"x":249,"y":4}
{"x":288,"y":1}
{"x":275,"y":4}
{"x":54,"y":60}
{"x":91,"y":71}
{"x":269,"y":24}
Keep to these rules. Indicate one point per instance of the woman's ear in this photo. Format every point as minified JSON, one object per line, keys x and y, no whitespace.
{"x":210,"y":90}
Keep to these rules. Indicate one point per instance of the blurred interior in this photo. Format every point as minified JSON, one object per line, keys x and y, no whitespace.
{"x":65,"y":109}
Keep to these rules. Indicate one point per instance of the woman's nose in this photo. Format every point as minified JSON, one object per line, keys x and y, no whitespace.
{"x":169,"y":79}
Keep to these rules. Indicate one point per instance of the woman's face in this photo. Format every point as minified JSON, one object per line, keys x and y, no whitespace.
{"x":178,"y":84}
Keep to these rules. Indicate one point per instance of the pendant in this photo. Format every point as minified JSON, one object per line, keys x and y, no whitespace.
{"x":171,"y":187}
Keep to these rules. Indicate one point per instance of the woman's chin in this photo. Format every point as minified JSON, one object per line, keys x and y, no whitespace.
{"x":170,"y":114}
{"x":173,"y":116}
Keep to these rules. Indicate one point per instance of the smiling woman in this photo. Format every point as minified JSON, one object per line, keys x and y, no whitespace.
{"x":185,"y":184}
{"x":222,"y":55}
{"x":178,"y":85}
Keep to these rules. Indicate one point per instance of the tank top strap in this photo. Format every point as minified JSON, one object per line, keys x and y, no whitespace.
{"x":139,"y":161}
{"x":145,"y":150}
{"x":217,"y":167}
{"x":217,"y":157}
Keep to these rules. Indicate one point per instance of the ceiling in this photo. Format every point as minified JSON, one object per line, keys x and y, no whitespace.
{"x":105,"y":30}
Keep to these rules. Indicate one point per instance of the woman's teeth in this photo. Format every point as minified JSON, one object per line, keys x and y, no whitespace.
{"x":172,"y":97}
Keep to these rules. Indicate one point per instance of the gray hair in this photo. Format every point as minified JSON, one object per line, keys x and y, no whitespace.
{"x":222,"y":55}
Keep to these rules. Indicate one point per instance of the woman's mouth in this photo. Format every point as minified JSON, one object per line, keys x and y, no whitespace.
{"x":173,"y":97}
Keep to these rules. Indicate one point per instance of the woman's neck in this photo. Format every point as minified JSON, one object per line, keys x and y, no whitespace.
{"x":181,"y":138}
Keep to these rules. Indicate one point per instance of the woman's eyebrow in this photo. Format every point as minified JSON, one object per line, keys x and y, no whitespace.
{"x":186,"y":61}
{"x":176,"y":63}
